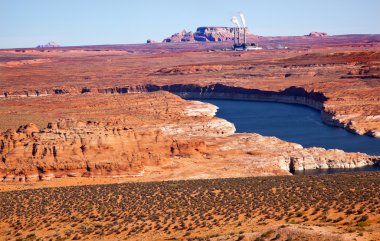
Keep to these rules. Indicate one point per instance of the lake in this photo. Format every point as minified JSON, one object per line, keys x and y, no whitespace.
{"x":293,"y":123}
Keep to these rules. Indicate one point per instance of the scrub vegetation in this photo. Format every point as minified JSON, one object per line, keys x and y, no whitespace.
{"x":193,"y":210}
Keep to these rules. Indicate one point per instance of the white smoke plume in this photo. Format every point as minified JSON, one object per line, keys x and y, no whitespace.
{"x":242,"y":19}
{"x":235,"y":21}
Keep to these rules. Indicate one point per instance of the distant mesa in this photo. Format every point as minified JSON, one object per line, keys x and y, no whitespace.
{"x":49,"y":45}
{"x":203,"y":34}
{"x":317,"y":34}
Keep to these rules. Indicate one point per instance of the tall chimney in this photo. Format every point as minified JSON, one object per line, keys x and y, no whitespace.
{"x":245,"y":36}
{"x":234,"y":36}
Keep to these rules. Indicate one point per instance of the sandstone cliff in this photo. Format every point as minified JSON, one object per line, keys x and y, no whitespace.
{"x":317,"y":34}
{"x":348,"y":77}
{"x":149,"y":135}
{"x":69,"y":148}
{"x":100,"y":110}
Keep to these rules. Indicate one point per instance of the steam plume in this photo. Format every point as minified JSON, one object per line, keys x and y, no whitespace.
{"x":235,"y":21}
{"x":242,"y":19}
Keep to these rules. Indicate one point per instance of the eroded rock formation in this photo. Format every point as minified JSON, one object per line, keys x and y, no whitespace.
{"x":348,"y":77}
{"x":71,"y":149}
{"x":149,"y":135}
{"x":109,"y":122}
{"x":317,"y":34}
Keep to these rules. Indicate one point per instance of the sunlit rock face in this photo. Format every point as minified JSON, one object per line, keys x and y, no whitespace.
{"x":105,"y":122}
{"x":155,"y":135}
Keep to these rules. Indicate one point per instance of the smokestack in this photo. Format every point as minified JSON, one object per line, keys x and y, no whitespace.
{"x":245,"y":36}
{"x":242,"y":18}
{"x":234,"y":36}
{"x":235,"y":21}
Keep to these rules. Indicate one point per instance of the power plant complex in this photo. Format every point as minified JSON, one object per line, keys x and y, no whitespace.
{"x":242,"y":30}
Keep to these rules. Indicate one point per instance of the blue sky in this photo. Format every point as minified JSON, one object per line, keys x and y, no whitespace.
{"x":27,"y":23}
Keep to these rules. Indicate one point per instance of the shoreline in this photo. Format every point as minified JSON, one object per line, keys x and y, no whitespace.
{"x":208,"y":148}
{"x":291,"y":95}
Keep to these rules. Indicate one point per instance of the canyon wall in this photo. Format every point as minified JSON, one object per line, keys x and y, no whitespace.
{"x":150,"y":136}
{"x":292,"y":95}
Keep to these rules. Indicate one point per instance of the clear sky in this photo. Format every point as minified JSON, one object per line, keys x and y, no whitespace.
{"x":27,"y":23}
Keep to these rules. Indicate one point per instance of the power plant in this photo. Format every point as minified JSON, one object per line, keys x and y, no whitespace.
{"x":238,"y":31}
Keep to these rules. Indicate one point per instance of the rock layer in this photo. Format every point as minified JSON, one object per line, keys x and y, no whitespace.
{"x":118,"y":128}
{"x":155,"y":135}
{"x":369,"y":125}
{"x":348,"y":77}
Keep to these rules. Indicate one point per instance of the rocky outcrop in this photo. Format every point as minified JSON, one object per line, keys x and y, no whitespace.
{"x":74,"y":149}
{"x":269,"y":152}
{"x":204,"y":34}
{"x":77,"y":149}
{"x":150,"y":135}
{"x":318,"y":158}
{"x":317,"y":34}
{"x":113,"y":148}
{"x":182,"y":36}
{"x":69,"y":148}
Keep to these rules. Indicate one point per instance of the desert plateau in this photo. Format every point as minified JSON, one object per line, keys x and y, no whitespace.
{"x":156,"y":141}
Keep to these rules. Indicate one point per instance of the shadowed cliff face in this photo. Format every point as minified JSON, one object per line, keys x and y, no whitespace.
{"x":150,"y":136}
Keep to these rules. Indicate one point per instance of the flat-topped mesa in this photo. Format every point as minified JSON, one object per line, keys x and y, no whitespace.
{"x":317,"y":34}
{"x":204,"y":34}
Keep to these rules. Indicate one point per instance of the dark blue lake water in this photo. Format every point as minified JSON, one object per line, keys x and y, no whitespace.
{"x":294,"y":123}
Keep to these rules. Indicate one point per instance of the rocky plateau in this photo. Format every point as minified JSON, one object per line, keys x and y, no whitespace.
{"x":110,"y":111}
